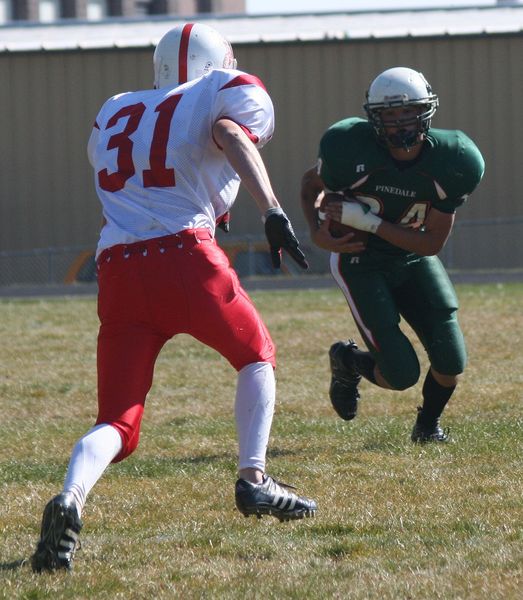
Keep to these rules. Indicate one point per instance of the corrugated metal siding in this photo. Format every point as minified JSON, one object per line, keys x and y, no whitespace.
{"x":46,"y":113}
{"x":50,"y":99}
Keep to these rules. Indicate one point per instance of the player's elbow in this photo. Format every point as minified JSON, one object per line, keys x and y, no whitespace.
{"x":311,"y":181}
{"x":435,"y":247}
{"x":226,"y":133}
{"x":308,"y":175}
{"x":431,"y":244}
{"x":429,"y":251}
{"x":432,"y":251}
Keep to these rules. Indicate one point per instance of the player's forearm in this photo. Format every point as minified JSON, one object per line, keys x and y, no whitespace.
{"x":247,"y":162}
{"x":311,"y":187}
{"x":424,"y":243}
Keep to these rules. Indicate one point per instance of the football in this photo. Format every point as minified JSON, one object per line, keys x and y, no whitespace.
{"x":337,"y":229}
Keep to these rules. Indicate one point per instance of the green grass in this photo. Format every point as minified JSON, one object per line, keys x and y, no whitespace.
{"x":396,"y":520}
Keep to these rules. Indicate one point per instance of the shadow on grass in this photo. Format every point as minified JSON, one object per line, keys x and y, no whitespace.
{"x":274,"y":452}
{"x":14,"y":565}
{"x":165,"y":466}
{"x":17,"y":471}
{"x":383,"y":446}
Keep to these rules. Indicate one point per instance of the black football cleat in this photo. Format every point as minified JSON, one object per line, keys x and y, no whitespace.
{"x":61,"y":526}
{"x":345,"y":378}
{"x":428,"y":431}
{"x":271,"y":498}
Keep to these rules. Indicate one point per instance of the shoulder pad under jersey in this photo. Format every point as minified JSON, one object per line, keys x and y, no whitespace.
{"x":243,"y":98}
{"x":348,"y":152}
{"x":456,"y":164}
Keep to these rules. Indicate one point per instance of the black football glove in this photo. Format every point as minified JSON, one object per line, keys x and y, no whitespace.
{"x":278,"y":230}
{"x":223,"y":222}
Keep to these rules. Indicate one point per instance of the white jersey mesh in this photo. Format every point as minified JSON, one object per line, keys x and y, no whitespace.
{"x":157,"y":169}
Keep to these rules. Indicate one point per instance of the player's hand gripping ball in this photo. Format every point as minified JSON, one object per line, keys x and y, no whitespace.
{"x":337,"y":229}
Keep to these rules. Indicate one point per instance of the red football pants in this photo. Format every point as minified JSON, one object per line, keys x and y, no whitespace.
{"x":150,"y":291}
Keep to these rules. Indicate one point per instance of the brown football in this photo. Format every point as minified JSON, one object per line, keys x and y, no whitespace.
{"x":337,"y":229}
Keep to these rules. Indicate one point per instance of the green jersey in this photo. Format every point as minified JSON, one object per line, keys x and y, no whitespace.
{"x":448,"y":169}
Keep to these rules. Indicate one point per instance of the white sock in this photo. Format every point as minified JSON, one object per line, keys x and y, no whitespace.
{"x":254,"y":409}
{"x":91,"y":455}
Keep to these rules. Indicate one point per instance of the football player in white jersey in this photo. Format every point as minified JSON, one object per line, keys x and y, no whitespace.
{"x":167,"y":166}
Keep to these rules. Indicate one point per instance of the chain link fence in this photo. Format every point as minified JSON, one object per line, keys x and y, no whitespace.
{"x":75,"y":264}
{"x":501,"y":250}
{"x":39,"y":266}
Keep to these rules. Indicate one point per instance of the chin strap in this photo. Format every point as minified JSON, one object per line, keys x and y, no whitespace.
{"x":404,"y":139}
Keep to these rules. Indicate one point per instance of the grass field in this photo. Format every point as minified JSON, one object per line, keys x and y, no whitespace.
{"x":396,"y":520}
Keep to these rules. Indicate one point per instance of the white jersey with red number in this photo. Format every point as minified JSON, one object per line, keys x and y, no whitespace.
{"x":157,"y":168}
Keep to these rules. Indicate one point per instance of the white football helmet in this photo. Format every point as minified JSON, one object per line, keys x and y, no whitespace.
{"x":189,"y":51}
{"x":398,"y":87}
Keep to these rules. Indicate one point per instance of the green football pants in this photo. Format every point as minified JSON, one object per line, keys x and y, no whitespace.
{"x":380,"y":292}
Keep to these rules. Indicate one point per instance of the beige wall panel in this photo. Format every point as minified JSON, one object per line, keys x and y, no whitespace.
{"x":47,"y":195}
{"x":50,"y":99}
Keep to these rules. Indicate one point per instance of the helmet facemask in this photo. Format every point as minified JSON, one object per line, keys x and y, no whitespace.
{"x":406,"y":136}
{"x":401,"y":87}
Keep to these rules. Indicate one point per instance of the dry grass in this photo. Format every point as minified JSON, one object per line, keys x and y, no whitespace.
{"x":396,"y":520}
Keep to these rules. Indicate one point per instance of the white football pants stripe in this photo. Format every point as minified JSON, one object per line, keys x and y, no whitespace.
{"x":335,"y":270}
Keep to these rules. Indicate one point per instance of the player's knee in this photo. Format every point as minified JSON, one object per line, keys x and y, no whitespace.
{"x":403,"y":381}
{"x":265,"y":354}
{"x":130,"y":439}
{"x":130,"y":433}
{"x":401,"y":376}
{"x":447,"y":349}
{"x":451,"y":363}
{"x":396,"y":359}
{"x":446,"y":380}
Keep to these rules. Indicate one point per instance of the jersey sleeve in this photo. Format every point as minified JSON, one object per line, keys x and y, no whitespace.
{"x":242,"y":98}
{"x":464,"y":168}
{"x":93,"y":141}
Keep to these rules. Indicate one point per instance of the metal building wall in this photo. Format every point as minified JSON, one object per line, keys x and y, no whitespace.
{"x":49,"y":101}
{"x":47,"y":109}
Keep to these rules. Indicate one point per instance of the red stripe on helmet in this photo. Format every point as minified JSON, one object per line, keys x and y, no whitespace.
{"x":182,"y":54}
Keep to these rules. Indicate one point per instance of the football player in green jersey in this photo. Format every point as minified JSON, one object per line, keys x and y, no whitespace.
{"x":408,"y":179}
